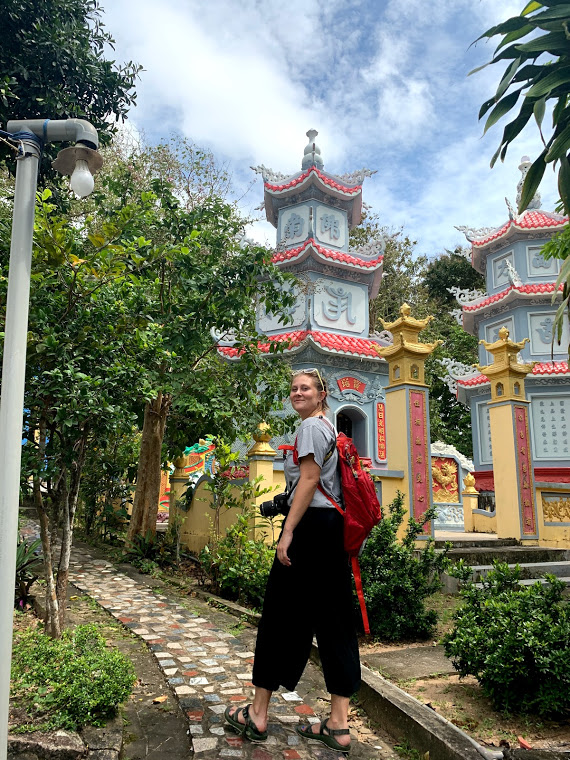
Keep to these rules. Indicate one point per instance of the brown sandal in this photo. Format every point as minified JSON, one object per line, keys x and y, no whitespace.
{"x":326,"y":735}
{"x":247,"y":729}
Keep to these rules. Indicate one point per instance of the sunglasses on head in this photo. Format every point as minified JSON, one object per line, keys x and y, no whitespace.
{"x":309,"y":372}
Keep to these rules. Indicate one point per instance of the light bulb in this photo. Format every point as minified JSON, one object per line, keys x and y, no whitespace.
{"x":82,"y":182}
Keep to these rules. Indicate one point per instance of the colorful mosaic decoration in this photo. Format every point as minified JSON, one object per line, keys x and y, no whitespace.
{"x":381,"y":430}
{"x":420,"y":456}
{"x":445,"y":483}
{"x":525,"y":472}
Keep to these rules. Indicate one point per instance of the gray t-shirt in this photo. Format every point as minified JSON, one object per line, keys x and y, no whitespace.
{"x":318,"y":437}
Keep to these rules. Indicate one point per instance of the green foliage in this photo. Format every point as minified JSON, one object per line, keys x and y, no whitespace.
{"x":238,"y":565}
{"x":515,"y":640}
{"x":450,"y":420}
{"x":69,"y":682}
{"x":53,"y":64}
{"x":151,"y":551}
{"x":447,"y":270}
{"x":28,"y":569}
{"x":397,"y":578}
{"x":106,"y":490}
{"x":544,"y":24}
{"x":403,"y":270}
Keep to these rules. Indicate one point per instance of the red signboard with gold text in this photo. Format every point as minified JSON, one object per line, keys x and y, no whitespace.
{"x":420,"y":456}
{"x":349,"y":383}
{"x":525,"y":472}
{"x":381,"y":430}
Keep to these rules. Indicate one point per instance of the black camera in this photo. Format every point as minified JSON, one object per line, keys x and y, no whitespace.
{"x":277,"y":506}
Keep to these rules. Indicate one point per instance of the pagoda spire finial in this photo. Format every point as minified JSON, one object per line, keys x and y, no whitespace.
{"x":524,"y":166}
{"x":312,"y":153}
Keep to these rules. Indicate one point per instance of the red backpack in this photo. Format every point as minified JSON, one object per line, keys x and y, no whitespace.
{"x":362,"y":510}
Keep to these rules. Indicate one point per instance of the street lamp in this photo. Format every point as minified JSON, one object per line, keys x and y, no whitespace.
{"x":78,"y":161}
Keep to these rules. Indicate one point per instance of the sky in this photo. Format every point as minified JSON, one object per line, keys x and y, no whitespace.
{"x":385,"y":83}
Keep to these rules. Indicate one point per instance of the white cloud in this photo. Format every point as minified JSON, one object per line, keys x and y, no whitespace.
{"x":385,"y":83}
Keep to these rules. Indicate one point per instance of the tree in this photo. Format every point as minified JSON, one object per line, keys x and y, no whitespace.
{"x":210,"y":286}
{"x":450,"y":420}
{"x":402,"y":269}
{"x":539,"y":84}
{"x":83,"y":377}
{"x":198,"y":275}
{"x":53,"y":64}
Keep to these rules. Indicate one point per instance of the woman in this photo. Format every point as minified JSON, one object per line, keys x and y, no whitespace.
{"x":309,"y":591}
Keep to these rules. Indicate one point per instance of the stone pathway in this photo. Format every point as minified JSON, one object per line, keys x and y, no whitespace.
{"x":207,"y":661}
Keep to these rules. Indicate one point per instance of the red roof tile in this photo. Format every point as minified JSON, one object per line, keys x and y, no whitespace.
{"x":323,"y":177}
{"x":346,"y":258}
{"x":343,"y":344}
{"x":529,"y":220}
{"x":542,"y":368}
{"x":550,"y":368}
{"x":542,"y":287}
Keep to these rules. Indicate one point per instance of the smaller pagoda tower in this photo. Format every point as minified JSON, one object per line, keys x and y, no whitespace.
{"x":519,"y":300}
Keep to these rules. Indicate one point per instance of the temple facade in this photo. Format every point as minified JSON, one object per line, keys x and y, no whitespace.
{"x":520,"y":285}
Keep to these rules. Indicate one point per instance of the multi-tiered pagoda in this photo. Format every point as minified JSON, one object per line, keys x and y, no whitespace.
{"x":520,"y":288}
{"x":313,"y":212}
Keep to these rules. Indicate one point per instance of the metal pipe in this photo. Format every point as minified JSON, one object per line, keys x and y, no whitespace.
{"x":12,"y":406}
{"x":58,"y":130}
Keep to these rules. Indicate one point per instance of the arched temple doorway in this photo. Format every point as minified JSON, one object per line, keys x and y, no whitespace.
{"x":353,"y":423}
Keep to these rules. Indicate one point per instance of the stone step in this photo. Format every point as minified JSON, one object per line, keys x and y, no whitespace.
{"x":509,"y":554}
{"x":530,"y":581}
{"x":479,"y":543}
{"x":529,"y":570}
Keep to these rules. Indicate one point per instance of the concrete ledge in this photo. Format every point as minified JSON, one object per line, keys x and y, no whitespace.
{"x":407,"y":719}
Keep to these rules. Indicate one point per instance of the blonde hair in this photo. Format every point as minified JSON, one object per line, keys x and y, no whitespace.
{"x":320,"y":383}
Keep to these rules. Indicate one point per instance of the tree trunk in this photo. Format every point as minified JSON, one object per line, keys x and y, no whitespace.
{"x":69,"y":508}
{"x":145,"y":507}
{"x":52,"y":612}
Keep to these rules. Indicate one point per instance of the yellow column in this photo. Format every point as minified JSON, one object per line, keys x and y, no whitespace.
{"x":261,"y":457}
{"x":407,"y":413}
{"x":470,"y":497}
{"x":178,"y":482}
{"x":510,"y":439}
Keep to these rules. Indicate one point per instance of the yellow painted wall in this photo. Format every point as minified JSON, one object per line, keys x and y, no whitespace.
{"x":398,"y":449}
{"x":505,"y":468}
{"x":197,"y":525}
{"x":484,"y":523}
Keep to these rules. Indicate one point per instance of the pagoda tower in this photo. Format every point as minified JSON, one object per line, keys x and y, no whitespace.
{"x":313,"y":212}
{"x":518,"y":303}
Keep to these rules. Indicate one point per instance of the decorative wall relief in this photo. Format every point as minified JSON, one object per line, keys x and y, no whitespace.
{"x":340,"y":306}
{"x":556,"y":507}
{"x":445,"y":480}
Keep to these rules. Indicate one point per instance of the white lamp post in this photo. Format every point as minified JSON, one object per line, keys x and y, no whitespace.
{"x":79,"y":162}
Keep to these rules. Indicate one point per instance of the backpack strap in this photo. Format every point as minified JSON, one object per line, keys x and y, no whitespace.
{"x":332,"y":501}
{"x":360,"y":593}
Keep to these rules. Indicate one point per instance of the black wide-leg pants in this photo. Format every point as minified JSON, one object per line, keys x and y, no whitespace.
{"x":311,"y":597}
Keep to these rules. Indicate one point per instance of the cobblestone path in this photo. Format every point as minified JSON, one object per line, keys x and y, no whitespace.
{"x":207,"y":661}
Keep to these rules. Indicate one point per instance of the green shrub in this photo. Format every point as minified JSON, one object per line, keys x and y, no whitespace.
{"x":397,"y":578}
{"x":28,"y":568}
{"x":150,"y":551}
{"x":69,"y":682}
{"x":237,"y":565}
{"x":515,"y":640}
